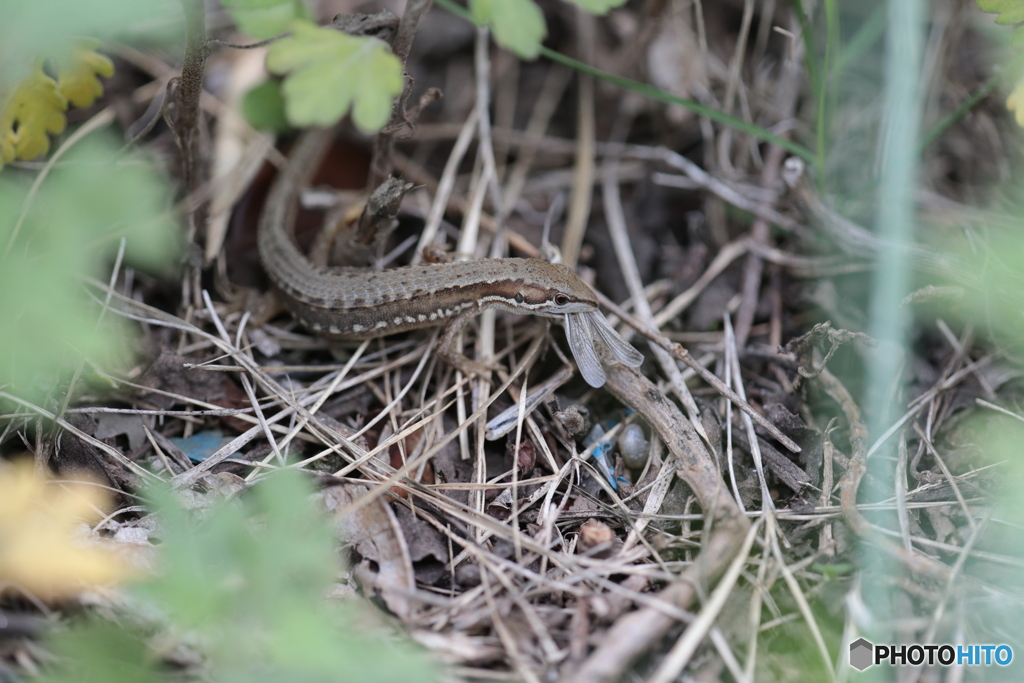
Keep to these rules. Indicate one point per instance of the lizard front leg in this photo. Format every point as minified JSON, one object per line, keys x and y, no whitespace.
{"x":446,"y":345}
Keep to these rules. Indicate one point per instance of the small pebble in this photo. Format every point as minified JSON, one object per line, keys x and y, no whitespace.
{"x":467,"y":575}
{"x":634,"y":447}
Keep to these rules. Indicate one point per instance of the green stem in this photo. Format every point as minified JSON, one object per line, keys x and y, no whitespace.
{"x":815,"y":76}
{"x":958,"y":113}
{"x":862,"y":41}
{"x":828,"y":75}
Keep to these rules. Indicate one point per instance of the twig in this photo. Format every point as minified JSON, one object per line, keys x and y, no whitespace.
{"x":684,"y":648}
{"x":733,"y":84}
{"x":638,"y":631}
{"x":682,"y":354}
{"x":583,"y":170}
{"x":732,"y":358}
{"x":551,"y":93}
{"x":850,"y":483}
{"x":787,"y":93}
{"x":445,"y":185}
{"x":384,"y":144}
{"x":187,"y":94}
{"x":482,"y":67}
{"x":631,"y":274}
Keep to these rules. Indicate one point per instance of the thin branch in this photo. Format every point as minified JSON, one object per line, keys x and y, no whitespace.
{"x":384,"y":145}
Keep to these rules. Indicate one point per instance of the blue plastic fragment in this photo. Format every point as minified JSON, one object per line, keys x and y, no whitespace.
{"x":201,"y":445}
{"x":595,"y":434}
{"x":600,"y":450}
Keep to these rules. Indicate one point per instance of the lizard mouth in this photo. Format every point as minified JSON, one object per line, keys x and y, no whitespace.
{"x":582,"y":330}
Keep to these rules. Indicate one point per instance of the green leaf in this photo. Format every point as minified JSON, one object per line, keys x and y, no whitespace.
{"x":100,"y":652}
{"x":265,"y":18}
{"x":251,"y":580}
{"x":31,"y":31}
{"x":330,"y":72}
{"x":1007,"y":11}
{"x":71,"y":229}
{"x":263,"y":107}
{"x":599,"y":6}
{"x":226,"y":570}
{"x":246,"y":584}
{"x":518,"y":25}
{"x":119,"y":197}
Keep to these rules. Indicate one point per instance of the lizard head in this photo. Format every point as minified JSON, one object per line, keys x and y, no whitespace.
{"x":552,"y":290}
{"x":556,"y":291}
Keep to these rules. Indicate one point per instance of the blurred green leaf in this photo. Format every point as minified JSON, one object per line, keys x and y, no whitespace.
{"x":518,"y":25}
{"x":998,"y":263}
{"x":786,"y":651}
{"x":100,"y":652}
{"x":265,"y":18}
{"x":831,"y":572}
{"x":599,"y":6}
{"x":106,"y":196}
{"x":1007,"y":11}
{"x":263,"y":107}
{"x":252,"y":577}
{"x":71,"y":229}
{"x":228,"y":572}
{"x":247,"y":584}
{"x":330,"y":72}
{"x":1011,"y":12}
{"x":30,"y":31}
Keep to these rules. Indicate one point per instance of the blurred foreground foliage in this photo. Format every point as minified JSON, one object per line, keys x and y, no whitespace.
{"x":40,"y":521}
{"x":34,"y":109}
{"x":50,"y":242}
{"x":1011,"y":12}
{"x":244,"y":592}
{"x":63,"y":224}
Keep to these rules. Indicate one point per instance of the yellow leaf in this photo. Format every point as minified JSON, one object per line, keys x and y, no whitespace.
{"x":78,"y":76}
{"x":38,"y":521}
{"x":34,"y":109}
{"x":1015,"y":102}
{"x":6,"y":137}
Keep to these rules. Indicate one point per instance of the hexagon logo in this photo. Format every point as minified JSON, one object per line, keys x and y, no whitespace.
{"x":861,"y":652}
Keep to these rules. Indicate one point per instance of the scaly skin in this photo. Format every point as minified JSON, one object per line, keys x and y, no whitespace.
{"x":352,"y":303}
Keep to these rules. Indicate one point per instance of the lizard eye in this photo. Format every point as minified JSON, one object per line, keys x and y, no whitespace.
{"x":519,"y":297}
{"x":561,"y":299}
